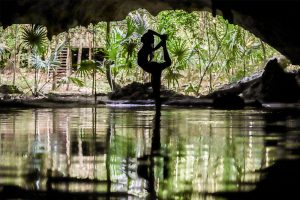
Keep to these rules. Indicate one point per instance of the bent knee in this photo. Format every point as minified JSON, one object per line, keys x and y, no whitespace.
{"x":168,"y":62}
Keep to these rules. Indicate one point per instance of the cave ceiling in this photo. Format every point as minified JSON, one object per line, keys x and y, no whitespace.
{"x":274,"y":21}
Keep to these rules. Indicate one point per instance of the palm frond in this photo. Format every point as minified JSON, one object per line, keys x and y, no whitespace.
{"x":38,"y":62}
{"x":86,"y":68}
{"x":76,"y":81}
{"x":180,"y":51}
{"x":140,"y":22}
{"x":58,"y":49}
{"x":34,"y":36}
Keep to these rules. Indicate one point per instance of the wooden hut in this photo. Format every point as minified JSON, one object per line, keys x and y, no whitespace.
{"x":81,"y":46}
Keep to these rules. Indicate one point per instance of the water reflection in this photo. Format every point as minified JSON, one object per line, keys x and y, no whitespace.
{"x":139,"y":153}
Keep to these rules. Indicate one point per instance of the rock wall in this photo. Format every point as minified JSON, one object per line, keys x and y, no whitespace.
{"x":274,"y":21}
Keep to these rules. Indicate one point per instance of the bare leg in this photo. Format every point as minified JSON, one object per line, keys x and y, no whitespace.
{"x":155,"y":82}
{"x":156,"y":74}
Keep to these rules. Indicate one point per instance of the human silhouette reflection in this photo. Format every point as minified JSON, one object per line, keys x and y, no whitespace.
{"x":147,"y":162}
{"x":145,"y":60}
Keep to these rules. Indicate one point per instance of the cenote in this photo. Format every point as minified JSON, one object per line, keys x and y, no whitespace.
{"x":138,"y":153}
{"x":78,"y":80}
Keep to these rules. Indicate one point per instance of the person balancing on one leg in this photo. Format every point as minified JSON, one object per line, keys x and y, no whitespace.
{"x":145,"y":56}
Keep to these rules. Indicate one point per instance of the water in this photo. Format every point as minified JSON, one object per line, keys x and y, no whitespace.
{"x":131,"y":154}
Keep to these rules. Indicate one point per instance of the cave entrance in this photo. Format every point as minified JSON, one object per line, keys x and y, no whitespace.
{"x":206,"y":51}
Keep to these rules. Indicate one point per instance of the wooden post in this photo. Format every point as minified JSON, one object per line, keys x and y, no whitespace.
{"x":68,"y":66}
{"x":79,"y":57}
{"x":54,"y":72}
{"x":68,"y":61}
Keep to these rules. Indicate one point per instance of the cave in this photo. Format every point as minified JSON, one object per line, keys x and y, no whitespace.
{"x":272,"y":21}
{"x":90,"y":148}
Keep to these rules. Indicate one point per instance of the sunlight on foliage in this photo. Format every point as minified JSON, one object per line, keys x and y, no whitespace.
{"x":206,"y":51}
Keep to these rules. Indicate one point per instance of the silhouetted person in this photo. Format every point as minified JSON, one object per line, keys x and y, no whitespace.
{"x":145,"y":56}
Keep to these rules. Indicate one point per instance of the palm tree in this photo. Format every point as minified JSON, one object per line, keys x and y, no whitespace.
{"x":51,"y":62}
{"x":35,"y":38}
{"x":181,"y":56}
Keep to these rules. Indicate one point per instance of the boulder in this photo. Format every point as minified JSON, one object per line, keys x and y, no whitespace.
{"x":275,"y":85}
{"x":132,"y":91}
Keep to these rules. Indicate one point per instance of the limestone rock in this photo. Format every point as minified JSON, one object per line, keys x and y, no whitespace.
{"x":275,"y":85}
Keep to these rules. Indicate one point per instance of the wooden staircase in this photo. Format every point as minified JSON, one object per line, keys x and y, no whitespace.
{"x":61,"y":71}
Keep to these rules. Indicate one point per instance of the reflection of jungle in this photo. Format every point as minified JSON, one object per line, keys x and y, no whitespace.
{"x":100,"y":152}
{"x":147,"y":170}
{"x":280,"y":180}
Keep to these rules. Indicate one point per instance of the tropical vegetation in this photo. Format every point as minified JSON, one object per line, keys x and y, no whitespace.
{"x":206,"y":53}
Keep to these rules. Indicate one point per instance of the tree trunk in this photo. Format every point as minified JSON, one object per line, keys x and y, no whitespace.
{"x":68,"y":61}
{"x":264,"y":50}
{"x":54,"y":74}
{"x":107,"y":64}
{"x":94,"y":69}
{"x":15,"y":54}
{"x":35,"y":82}
{"x":79,"y":54}
{"x":210,"y":81}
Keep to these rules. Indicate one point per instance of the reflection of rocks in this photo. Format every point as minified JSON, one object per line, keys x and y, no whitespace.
{"x":280,"y":181}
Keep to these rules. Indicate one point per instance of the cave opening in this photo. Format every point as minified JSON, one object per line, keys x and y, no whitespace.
{"x":78,"y":120}
{"x":207,"y":51}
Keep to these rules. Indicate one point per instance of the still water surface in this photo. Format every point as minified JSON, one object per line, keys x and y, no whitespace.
{"x":130,"y":153}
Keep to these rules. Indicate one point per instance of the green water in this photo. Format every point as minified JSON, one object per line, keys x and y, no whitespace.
{"x":188,"y":154}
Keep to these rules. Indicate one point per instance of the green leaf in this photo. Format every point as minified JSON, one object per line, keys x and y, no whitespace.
{"x":76,"y":81}
{"x":86,"y":68}
{"x":35,"y":37}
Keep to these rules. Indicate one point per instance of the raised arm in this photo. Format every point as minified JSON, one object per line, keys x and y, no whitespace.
{"x":154,"y":33}
{"x":162,"y":37}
